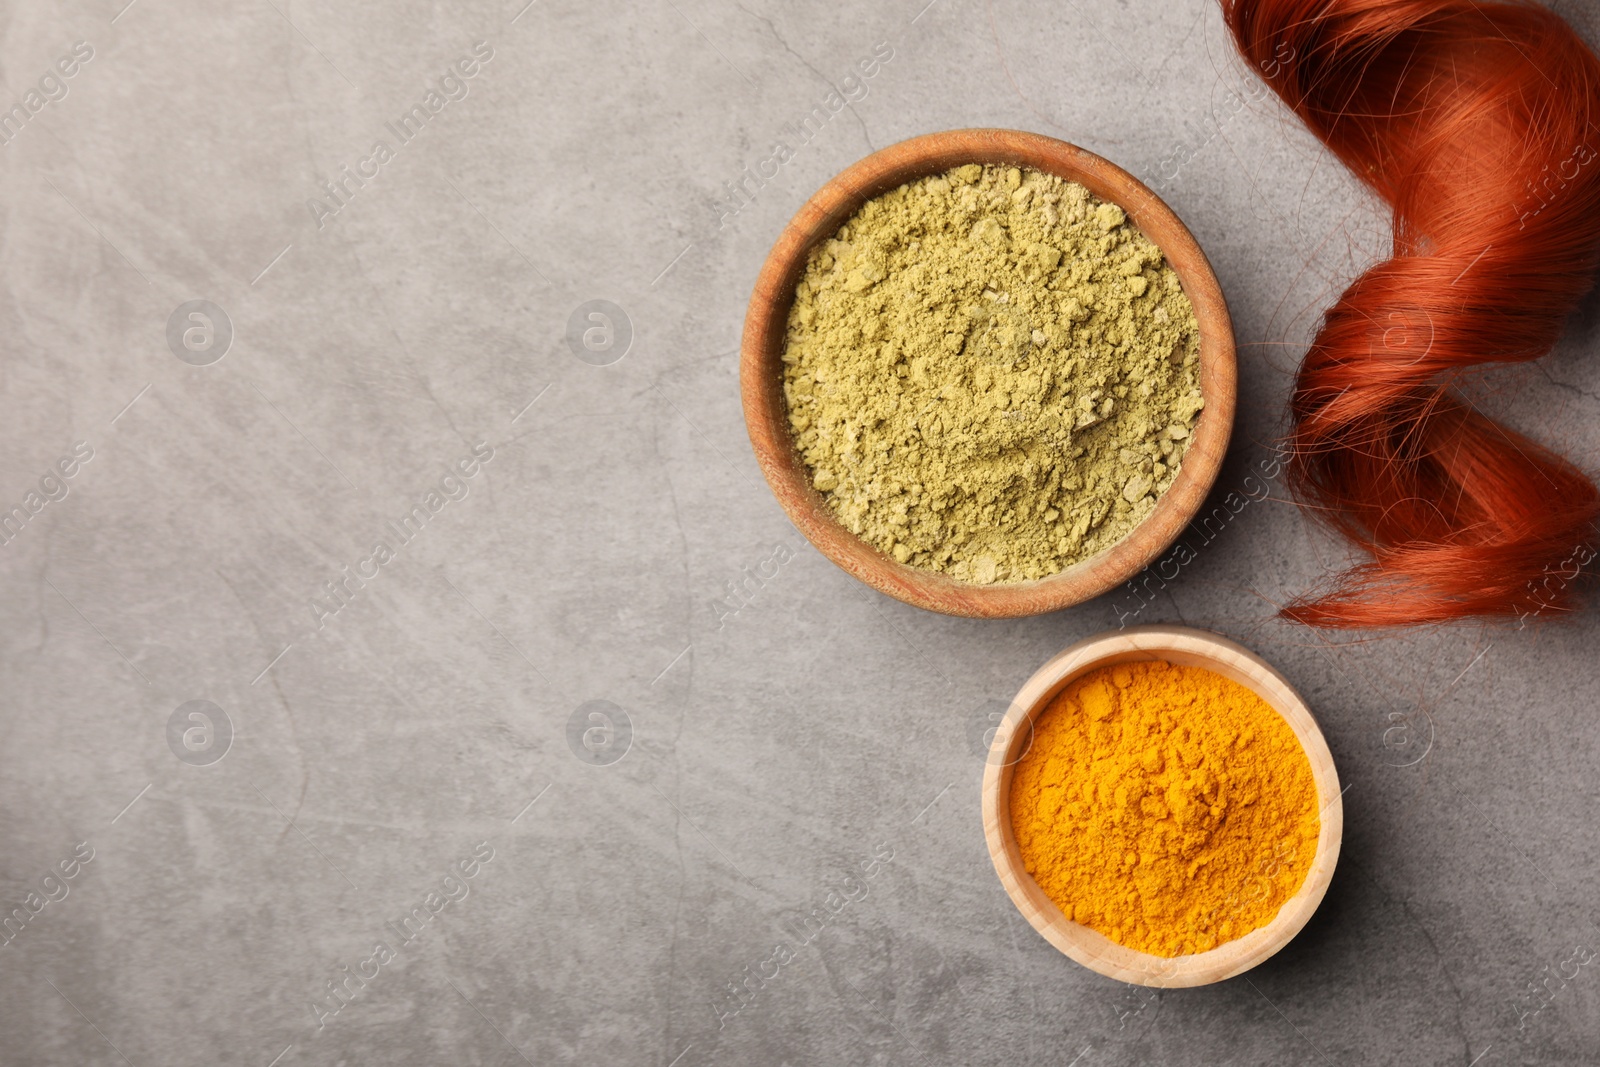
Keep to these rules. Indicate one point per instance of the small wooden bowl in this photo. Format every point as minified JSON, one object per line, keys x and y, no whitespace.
{"x":766,"y":411}
{"x":1185,"y":647}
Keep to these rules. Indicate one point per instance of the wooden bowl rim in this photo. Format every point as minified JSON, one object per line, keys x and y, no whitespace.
{"x":1178,"y":644}
{"x":766,"y":415}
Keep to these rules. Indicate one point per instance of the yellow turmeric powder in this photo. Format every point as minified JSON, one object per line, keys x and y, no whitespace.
{"x":1167,"y":807}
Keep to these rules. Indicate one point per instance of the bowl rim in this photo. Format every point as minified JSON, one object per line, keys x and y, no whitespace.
{"x":1175,"y":644}
{"x":766,"y":410}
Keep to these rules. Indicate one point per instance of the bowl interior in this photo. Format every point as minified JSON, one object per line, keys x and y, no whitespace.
{"x":766,"y":411}
{"x":1185,"y":647}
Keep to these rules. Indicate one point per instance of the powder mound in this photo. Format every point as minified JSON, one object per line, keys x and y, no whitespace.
{"x":991,"y":373}
{"x":1167,"y":807}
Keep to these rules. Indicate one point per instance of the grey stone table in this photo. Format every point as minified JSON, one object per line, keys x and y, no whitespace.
{"x":295,"y":303}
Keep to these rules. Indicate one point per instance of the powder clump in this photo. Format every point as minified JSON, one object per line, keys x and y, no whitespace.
{"x":991,"y":373}
{"x":1169,"y":808}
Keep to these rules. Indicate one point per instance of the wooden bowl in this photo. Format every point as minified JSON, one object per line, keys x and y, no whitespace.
{"x":1185,"y":647}
{"x":766,"y":411}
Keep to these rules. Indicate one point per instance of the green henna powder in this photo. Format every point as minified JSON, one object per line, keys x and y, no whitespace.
{"x":991,"y":373}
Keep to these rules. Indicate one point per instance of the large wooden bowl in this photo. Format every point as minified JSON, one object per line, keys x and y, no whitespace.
{"x":1185,"y":647}
{"x":766,"y":411}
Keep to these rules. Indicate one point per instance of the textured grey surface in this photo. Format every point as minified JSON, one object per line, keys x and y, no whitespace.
{"x":775,"y":751}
